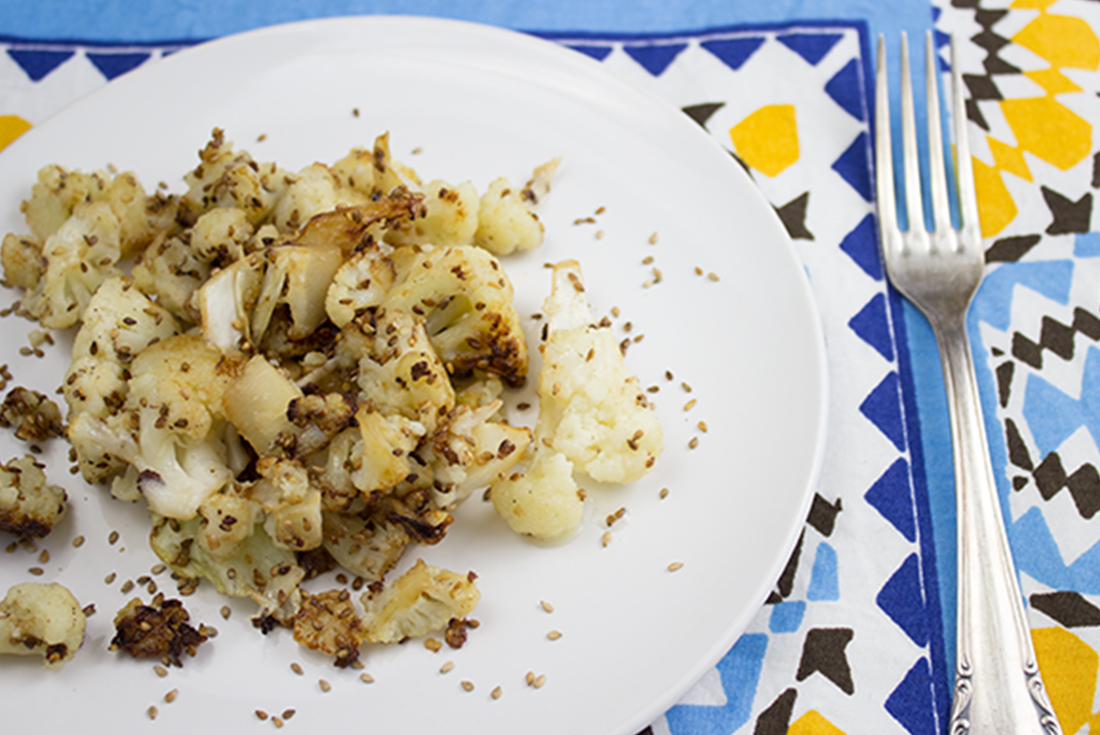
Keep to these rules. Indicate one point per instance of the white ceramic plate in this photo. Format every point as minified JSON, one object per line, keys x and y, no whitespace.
{"x":479,"y":102}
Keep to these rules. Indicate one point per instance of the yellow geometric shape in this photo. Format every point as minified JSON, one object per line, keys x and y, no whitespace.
{"x":1052,"y":81}
{"x":812,"y":723}
{"x":767,"y":140}
{"x":1009,"y":159}
{"x":11,"y":127}
{"x":1032,"y":4}
{"x":1062,"y":40}
{"x":1049,"y":130}
{"x":1069,"y":670}
{"x":995,"y":206}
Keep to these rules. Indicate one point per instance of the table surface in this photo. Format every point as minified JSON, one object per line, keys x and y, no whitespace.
{"x":858,"y":635}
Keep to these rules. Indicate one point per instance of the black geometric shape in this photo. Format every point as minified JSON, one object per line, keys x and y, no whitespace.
{"x":1019,"y":483}
{"x":1011,"y":249}
{"x":747,"y":169}
{"x":997,"y":65}
{"x":1004,"y":373}
{"x":982,"y":87}
{"x":964,"y":3}
{"x":1017,"y":449}
{"x":1050,"y":476}
{"x":988,"y":18}
{"x":1069,"y":216}
{"x":974,"y":115}
{"x":793,"y":216}
{"x":776,"y":719}
{"x":990,"y":41}
{"x":774,"y":598}
{"x":823,"y":652}
{"x":702,"y":112}
{"x":1096,"y":171}
{"x":1086,"y":323}
{"x":1026,"y":351}
{"x":823,"y":515}
{"x":996,"y":352}
{"x":785,"y":583}
{"x":1069,"y":609}
{"x":647,"y":731}
{"x":1084,"y":488}
{"x":1057,"y":337}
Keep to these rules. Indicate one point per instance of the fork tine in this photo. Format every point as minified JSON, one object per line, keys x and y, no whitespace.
{"x":941,"y":209}
{"x":964,"y":167}
{"x":914,"y":206}
{"x":884,"y":161}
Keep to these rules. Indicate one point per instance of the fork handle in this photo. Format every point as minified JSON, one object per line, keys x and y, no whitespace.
{"x":998,"y":688}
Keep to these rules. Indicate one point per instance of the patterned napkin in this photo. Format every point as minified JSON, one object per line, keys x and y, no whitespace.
{"x":858,"y":634}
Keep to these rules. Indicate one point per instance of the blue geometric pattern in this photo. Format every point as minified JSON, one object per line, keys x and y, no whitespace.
{"x":872,"y":324}
{"x":114,"y":65}
{"x":740,"y":672}
{"x":911,"y":703}
{"x":846,"y":89}
{"x":902,"y":599}
{"x":892,"y":497}
{"x":861,"y":245}
{"x":37,"y":63}
{"x":734,"y":52}
{"x":653,"y":57}
{"x":810,"y":46}
{"x":1053,"y":416}
{"x":882,"y":407}
{"x":853,"y":166}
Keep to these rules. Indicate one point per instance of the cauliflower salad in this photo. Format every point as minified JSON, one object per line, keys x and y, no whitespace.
{"x":302,"y":371}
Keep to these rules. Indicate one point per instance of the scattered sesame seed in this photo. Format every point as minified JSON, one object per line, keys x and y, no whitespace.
{"x":447,"y":667}
{"x":261,"y":714}
{"x":417,"y":151}
{"x":261,"y":137}
{"x":605,"y":540}
{"x":468,"y":686}
{"x":10,"y":548}
{"x":689,"y":405}
{"x":358,"y":665}
{"x":366,"y":678}
{"x":355,"y":112}
{"x":554,"y":635}
{"x":702,"y":426}
{"x":675,"y":566}
{"x":698,"y":271}
{"x":226,"y":612}
{"x":647,"y":260}
{"x":160,"y":671}
{"x":36,"y":571}
{"x":664,"y":493}
{"x":599,"y":234}
{"x":653,"y":239}
{"x":78,"y":542}
{"x":152,"y":712}
{"x":712,"y":276}
{"x":158,"y":568}
{"x":546,"y":606}
{"x":432,"y":645}
{"x":126,"y":587}
{"x":112,"y":538}
{"x":615,"y":312}
{"x":325,"y":686}
{"x":687,"y":388}
{"x":44,"y":557}
{"x":601,"y":209}
{"x":296,"y":668}
{"x":277,"y":721}
{"x":171,"y":696}
{"x":693,"y":443}
{"x":539,"y":681}
{"x":530,"y":678}
{"x":288,"y":713}
{"x":495,"y":694}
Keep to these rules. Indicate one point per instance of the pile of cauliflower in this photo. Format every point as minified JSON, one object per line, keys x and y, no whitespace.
{"x":309,"y":366}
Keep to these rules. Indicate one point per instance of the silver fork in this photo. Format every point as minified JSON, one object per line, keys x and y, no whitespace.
{"x":998,"y":688}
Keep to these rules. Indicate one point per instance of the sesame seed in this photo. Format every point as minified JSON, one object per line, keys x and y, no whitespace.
{"x":539,"y":681}
{"x":325,"y":686}
{"x":601,"y":209}
{"x":171,"y":696}
{"x":605,"y":540}
{"x":277,"y":721}
{"x":693,"y":443}
{"x":664,"y":493}
{"x":675,"y":566}
{"x":160,"y":671}
{"x":702,"y":426}
{"x":687,"y":388}
{"x":288,"y":713}
{"x":698,"y":271}
{"x":226,"y":612}
{"x":546,"y":606}
{"x":152,"y":712}
{"x":712,"y":276}
{"x":36,"y":571}
{"x":554,"y":635}
{"x":689,"y":405}
{"x":647,"y":260}
{"x":366,"y":678}
{"x":78,"y":542}
{"x":158,"y":568}
{"x":126,"y":587}
{"x":530,"y":678}
{"x":296,"y":668}
{"x":432,"y":645}
{"x":653,"y":239}
{"x":468,"y":686}
{"x":112,"y":538}
{"x":447,"y":667}
{"x":599,"y":234}
{"x":495,"y":694}
{"x":261,"y":714}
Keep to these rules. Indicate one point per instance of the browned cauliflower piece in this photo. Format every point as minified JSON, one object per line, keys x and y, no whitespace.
{"x":34,"y":416}
{"x":328,"y":622}
{"x":41,"y":619}
{"x":158,"y":630}
{"x":422,"y":600}
{"x":29,"y":507}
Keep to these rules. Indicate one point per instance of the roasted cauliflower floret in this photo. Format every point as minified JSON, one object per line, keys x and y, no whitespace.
{"x":422,"y":600}
{"x":257,"y":401}
{"x":328,"y":622}
{"x":292,"y":506}
{"x":221,"y":235}
{"x":43,"y":620}
{"x":465,"y":298}
{"x":369,"y":547}
{"x":34,"y":416}
{"x":451,"y":217}
{"x":224,"y":178}
{"x":158,"y":630}
{"x":471,"y":449}
{"x":73,"y":261}
{"x":29,"y":506}
{"x":542,"y":500}
{"x":169,"y":271}
{"x":56,"y":194}
{"x":359,"y":284}
{"x":591,"y":409}
{"x":312,"y":190}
